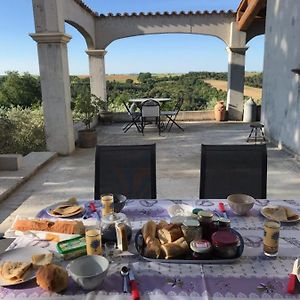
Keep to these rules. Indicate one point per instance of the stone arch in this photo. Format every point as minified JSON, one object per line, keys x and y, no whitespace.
{"x":88,"y":39}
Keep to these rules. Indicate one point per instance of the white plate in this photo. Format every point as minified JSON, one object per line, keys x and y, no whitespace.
{"x":180,"y":210}
{"x":274,"y":206}
{"x":51,"y":207}
{"x":21,"y":254}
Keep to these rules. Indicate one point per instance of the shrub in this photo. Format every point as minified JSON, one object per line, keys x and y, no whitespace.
{"x":22,"y":130}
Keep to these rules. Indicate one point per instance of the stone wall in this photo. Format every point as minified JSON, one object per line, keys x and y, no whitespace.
{"x":281,"y":86}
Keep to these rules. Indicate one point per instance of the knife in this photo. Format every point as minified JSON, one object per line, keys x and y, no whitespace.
{"x":223,"y":210}
{"x":135,"y":295}
{"x":293,"y":278}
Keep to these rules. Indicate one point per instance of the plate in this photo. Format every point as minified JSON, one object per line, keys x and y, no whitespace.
{"x":139,"y":245}
{"x":21,"y":254}
{"x":50,"y":208}
{"x":180,"y":210}
{"x":262,"y":211}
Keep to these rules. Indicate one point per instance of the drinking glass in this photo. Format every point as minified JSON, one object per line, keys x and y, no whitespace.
{"x":93,"y":240}
{"x":271,"y":238}
{"x":107,"y":201}
{"x":110,"y":248}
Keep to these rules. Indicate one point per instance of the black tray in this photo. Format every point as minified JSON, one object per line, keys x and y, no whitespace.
{"x":140,"y":244}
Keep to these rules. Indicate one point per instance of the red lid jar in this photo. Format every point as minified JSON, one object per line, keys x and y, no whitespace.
{"x":225,"y":243}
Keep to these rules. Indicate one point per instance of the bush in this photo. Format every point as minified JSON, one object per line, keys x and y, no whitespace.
{"x":22,"y":130}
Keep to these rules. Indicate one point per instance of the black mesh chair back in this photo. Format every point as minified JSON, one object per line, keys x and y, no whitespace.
{"x":129,"y":170}
{"x":233,"y":169}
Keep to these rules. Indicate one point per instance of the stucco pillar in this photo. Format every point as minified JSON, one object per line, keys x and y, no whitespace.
{"x":97,"y":73}
{"x":235,"y":82}
{"x":55,"y":83}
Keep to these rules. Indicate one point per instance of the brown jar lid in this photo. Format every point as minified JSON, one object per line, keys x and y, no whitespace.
{"x":224,"y":238}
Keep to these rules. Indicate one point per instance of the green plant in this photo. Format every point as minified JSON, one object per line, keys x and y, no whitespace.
{"x":88,"y":106}
{"x":22,"y":130}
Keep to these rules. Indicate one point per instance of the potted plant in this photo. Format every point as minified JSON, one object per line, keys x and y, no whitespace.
{"x":87,"y":107}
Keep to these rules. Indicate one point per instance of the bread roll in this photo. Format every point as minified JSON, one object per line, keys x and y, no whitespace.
{"x":182,"y":243}
{"x":172,"y":250}
{"x":52,"y":278}
{"x":59,"y":226}
{"x":162,"y":224}
{"x":149,"y":231}
{"x":291,"y":214}
{"x":169,"y":233}
{"x":153,"y":249}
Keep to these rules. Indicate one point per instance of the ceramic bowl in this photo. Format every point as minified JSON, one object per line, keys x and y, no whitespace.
{"x":88,"y":271}
{"x":119,"y":202}
{"x":240,"y":203}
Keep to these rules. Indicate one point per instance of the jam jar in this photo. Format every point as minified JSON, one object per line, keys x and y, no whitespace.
{"x":206,"y":222}
{"x":225,"y":243}
{"x":191,"y":230}
{"x":224,"y":223}
{"x":201,"y":249}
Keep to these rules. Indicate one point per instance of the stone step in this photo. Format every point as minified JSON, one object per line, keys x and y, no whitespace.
{"x":11,"y":180}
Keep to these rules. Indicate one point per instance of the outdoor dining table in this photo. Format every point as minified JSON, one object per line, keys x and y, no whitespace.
{"x":253,"y":275}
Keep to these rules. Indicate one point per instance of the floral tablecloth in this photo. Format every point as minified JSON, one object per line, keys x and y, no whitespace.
{"x":252,"y":276}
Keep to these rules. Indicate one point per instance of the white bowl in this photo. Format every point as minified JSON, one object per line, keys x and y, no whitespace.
{"x":180,"y":210}
{"x":240,"y":203}
{"x":88,"y":271}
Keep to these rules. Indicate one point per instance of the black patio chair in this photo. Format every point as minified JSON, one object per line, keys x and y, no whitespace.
{"x":135,"y":119}
{"x":172,"y":115}
{"x":233,"y":169}
{"x":151,"y":113}
{"x":129,"y":170}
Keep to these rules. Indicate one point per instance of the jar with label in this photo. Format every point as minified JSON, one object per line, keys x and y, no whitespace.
{"x":206,"y":223}
{"x":225,"y":243}
{"x":201,"y":249}
{"x":191,"y":230}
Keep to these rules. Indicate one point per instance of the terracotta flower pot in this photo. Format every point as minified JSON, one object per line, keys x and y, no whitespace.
{"x":87,"y":138}
{"x":220,"y":111}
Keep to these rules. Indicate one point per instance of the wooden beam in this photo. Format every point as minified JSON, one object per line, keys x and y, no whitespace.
{"x":246,"y":17}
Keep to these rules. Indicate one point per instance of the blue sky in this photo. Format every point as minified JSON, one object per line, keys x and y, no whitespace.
{"x":167,"y":53}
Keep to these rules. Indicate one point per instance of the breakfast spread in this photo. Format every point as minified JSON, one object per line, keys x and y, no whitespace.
{"x":280,"y":213}
{"x":185,"y":241}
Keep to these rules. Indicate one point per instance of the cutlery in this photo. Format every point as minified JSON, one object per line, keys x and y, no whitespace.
{"x":133,"y":285}
{"x":125,"y":272}
{"x":293,"y":278}
{"x":223,"y":210}
{"x":94,"y":209}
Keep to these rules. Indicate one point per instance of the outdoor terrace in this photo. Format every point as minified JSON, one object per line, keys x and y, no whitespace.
{"x":178,"y":163}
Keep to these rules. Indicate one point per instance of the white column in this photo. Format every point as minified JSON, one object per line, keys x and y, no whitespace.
{"x":55,"y":83}
{"x":97,"y":73}
{"x":235,"y":82}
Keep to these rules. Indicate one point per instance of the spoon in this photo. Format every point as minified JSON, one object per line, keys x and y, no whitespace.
{"x":125,"y":273}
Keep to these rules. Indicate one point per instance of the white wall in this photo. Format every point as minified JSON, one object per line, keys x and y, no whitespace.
{"x":281,"y":87}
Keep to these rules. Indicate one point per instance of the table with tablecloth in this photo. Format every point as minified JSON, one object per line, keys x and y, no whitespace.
{"x":253,"y":275}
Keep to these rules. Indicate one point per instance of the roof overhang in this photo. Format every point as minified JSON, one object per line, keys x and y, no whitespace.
{"x":249,"y":11}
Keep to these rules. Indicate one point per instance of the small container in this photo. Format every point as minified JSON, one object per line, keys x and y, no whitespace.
{"x":224,"y":223}
{"x":72,"y":248}
{"x":201,"y":249}
{"x":206,"y":222}
{"x":93,"y":240}
{"x":225,"y":243}
{"x":191,"y":230}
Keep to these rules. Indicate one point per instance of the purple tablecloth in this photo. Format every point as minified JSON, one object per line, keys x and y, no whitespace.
{"x":251,"y":276}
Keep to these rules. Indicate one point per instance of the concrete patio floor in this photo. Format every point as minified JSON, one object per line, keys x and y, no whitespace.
{"x":178,"y":164}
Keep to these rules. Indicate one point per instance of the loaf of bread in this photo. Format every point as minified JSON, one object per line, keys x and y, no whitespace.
{"x":153,"y":249}
{"x":59,"y":226}
{"x":149,"y":231}
{"x":172,"y":250}
{"x":52,"y":278}
{"x":169,"y":233}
